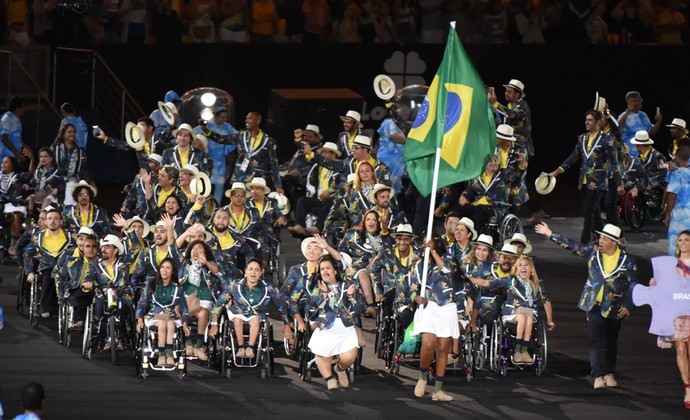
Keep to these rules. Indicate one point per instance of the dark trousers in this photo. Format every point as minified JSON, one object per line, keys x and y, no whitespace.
{"x":80,"y":300}
{"x":48,"y":293}
{"x":307,"y":205}
{"x":480,"y":215}
{"x":603,"y":342}
{"x":610,"y":204}
{"x":591,"y":213}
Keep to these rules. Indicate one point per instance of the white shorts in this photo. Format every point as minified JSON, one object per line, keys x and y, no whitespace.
{"x":150,"y":322}
{"x":244,"y":318}
{"x":333,"y":341}
{"x":441,"y":321}
{"x":206,"y":304}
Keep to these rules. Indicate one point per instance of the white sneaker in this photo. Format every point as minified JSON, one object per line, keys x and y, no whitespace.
{"x":45,"y":315}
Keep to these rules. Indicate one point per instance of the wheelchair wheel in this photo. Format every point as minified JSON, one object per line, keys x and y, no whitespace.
{"x":378,"y":339}
{"x":496,"y":347}
{"x":281,"y":270}
{"x":112,"y":337}
{"x":35,"y":303}
{"x":468,"y":353}
{"x":633,"y":211}
{"x":480,"y":348}
{"x":69,"y":322}
{"x":224,"y":359}
{"x":542,"y":349}
{"x":22,"y":292}
{"x":62,"y":323}
{"x":86,"y":350}
{"x":510,"y":225}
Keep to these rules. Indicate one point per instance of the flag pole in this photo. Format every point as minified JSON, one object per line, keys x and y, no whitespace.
{"x":430,"y":222}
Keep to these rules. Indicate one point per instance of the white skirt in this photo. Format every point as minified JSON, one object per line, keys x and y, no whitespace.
{"x":11,"y":208}
{"x":333,"y":341}
{"x":442,"y":321}
{"x":244,"y":318}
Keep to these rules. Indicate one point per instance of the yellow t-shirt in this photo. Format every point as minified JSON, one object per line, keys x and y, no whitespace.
{"x":644,"y":155}
{"x":403,"y":261}
{"x":255,"y":142}
{"x":504,"y":158}
{"x":86,"y":219}
{"x":486,"y":179}
{"x":164,"y":196}
{"x":259,"y":207}
{"x":54,"y":244}
{"x":610,"y":263}
{"x":160,"y":256}
{"x":225,"y":241}
{"x":184,"y":158}
{"x":324,"y":176}
{"x":110,"y":269}
{"x":239,"y":223}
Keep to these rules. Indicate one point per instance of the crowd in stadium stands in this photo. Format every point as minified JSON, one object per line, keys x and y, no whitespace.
{"x":343,"y":21}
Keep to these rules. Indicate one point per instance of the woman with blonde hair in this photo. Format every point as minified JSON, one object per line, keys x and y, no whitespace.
{"x":524,"y":291}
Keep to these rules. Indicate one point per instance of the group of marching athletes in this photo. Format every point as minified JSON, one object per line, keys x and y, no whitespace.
{"x":182,"y":258}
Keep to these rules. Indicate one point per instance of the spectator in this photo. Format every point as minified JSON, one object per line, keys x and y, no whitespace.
{"x":671,"y":24}
{"x":264,"y":18}
{"x":530,"y":22}
{"x":316,"y":19}
{"x":404,"y":13}
{"x":574,"y":17}
{"x":466,"y":14}
{"x":44,"y":15}
{"x":69,"y":116}
{"x":367,"y":30}
{"x":553,"y":15}
{"x":18,"y":34}
{"x":432,"y":21}
{"x":385,"y":28}
{"x":201,"y":27}
{"x":292,"y":13}
{"x":134,"y":19}
{"x":634,"y":18}
{"x":494,"y":23}
{"x":346,"y":23}
{"x":167,"y":27}
{"x":33,"y":401}
{"x":595,"y":25}
{"x":234,"y":20}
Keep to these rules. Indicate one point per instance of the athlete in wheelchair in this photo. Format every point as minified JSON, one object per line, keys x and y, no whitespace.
{"x":160,"y":314}
{"x":246,"y":333}
{"x":486,"y":200}
{"x":524,"y":290}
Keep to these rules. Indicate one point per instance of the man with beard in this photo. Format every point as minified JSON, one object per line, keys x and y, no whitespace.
{"x":71,"y":279}
{"x":489,"y":302}
{"x":256,"y":152}
{"x":227,"y":245}
{"x":149,"y":259}
{"x":390,"y":215}
{"x":183,"y":153}
{"x":84,"y":213}
{"x":47,"y":246}
{"x":351,"y":128}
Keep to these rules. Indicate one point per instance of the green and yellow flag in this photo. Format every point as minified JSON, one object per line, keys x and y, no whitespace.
{"x":455,"y":116}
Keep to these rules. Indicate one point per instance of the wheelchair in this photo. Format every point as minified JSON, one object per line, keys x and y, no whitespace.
{"x":35,"y":292}
{"x":115,"y":325}
{"x":640,"y":210}
{"x":226,"y":348}
{"x":468,"y":354}
{"x":502,"y":343}
{"x":277,"y":266}
{"x":502,"y":224}
{"x":23,"y":291}
{"x":146,"y":352}
{"x":389,"y":338}
{"x":65,"y":324}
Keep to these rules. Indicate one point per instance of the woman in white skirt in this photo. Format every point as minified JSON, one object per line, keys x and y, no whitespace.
{"x":337,"y":306}
{"x":436,"y":319}
{"x":11,"y":197}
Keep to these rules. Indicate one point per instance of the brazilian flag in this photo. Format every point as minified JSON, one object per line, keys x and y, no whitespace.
{"x":454,"y":116}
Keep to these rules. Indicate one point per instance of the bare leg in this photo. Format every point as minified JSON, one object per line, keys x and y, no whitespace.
{"x":162,"y":332}
{"x":16,"y":229}
{"x":202,"y":318}
{"x":683,"y":363}
{"x":365,"y":284}
{"x":442,"y":348}
{"x":347,"y":358}
{"x":529,"y":324}
{"x":170,"y":335}
{"x":325,"y":365}
{"x":520,"y":333}
{"x":239,"y":333}
{"x":254,"y":325}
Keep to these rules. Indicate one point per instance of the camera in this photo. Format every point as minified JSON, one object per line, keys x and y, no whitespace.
{"x":96,"y":131}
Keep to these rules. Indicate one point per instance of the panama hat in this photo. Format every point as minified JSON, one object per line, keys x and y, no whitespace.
{"x":184,"y":127}
{"x":191,"y":169}
{"x":201,"y":185}
{"x":350,"y":179}
{"x":236,"y":186}
{"x":517,"y":85}
{"x":114,"y":241}
{"x":485,"y":240}
{"x":83,"y":183}
{"x":508,"y":249}
{"x":168,"y":111}
{"x":314,"y":129}
{"x":612,"y":232}
{"x":134,"y":136}
{"x":384,"y":87}
{"x":306,"y":242}
{"x":544,"y":183}
{"x":521,"y":238}
{"x":143,"y":222}
{"x":403,"y":229}
{"x":363,"y":141}
{"x":203,"y":140}
{"x":642,"y":138}
{"x":156,"y":158}
{"x":352,"y":115}
{"x":283,"y":202}
{"x":258,"y":182}
{"x":86,"y":231}
{"x":347,"y":264}
{"x":468,"y":223}
{"x":329,"y":145}
{"x":678,"y":123}
{"x":505,"y":132}
{"x":159,"y":224}
{"x":379,"y":187}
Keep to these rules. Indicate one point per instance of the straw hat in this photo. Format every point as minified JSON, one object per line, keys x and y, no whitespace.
{"x":521,"y":238}
{"x":354,"y":116}
{"x":114,"y":241}
{"x":544,"y":183}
